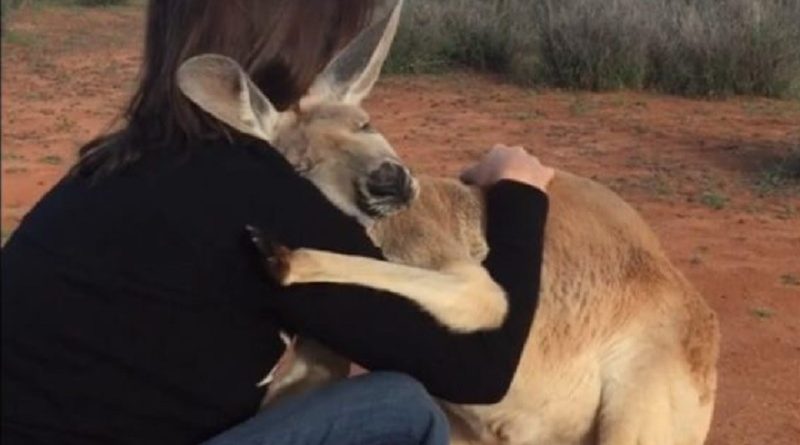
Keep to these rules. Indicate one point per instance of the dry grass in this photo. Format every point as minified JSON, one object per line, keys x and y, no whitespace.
{"x":693,"y":47}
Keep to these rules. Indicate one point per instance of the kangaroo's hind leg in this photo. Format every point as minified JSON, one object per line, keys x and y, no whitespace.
{"x":652,"y":401}
{"x":635,"y":396}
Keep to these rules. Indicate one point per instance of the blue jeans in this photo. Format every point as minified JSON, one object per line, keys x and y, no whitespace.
{"x":381,"y":408}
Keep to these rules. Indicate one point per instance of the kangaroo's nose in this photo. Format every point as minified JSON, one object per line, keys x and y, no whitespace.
{"x":390,"y":180}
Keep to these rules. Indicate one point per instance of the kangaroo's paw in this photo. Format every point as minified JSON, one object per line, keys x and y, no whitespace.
{"x":275,"y":255}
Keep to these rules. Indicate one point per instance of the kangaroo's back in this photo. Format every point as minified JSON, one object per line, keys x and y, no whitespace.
{"x":642,"y":341}
{"x":605,"y":269}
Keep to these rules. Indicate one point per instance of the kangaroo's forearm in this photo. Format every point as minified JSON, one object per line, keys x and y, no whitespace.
{"x":462,"y":296}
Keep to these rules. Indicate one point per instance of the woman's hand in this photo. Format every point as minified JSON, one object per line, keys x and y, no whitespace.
{"x":512,"y":163}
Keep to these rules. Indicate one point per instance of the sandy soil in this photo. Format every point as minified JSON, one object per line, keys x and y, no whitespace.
{"x":691,"y":167}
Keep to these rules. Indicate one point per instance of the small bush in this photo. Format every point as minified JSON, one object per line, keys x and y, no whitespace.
{"x":714,"y":200}
{"x":781,"y":174}
{"x":570,"y":36}
{"x":92,"y":3}
{"x":693,"y":47}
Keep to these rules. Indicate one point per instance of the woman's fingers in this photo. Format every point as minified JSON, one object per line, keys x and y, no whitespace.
{"x":504,"y":162}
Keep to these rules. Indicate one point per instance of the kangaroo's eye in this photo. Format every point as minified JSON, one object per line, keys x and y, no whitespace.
{"x":366,"y":127}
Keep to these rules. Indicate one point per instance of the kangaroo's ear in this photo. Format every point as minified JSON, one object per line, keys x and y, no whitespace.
{"x":350,"y":76}
{"x":218,"y":85}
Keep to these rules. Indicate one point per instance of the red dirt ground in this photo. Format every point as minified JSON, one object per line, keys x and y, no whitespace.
{"x":689,"y":166}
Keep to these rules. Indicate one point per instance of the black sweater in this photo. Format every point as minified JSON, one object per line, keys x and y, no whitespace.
{"x":135,"y":310}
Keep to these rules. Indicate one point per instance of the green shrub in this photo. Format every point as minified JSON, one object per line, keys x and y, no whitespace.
{"x":591,"y":44}
{"x":693,"y":47}
{"x":6,"y":7}
{"x":780,"y":174}
{"x":729,"y":46}
{"x":436,"y":37}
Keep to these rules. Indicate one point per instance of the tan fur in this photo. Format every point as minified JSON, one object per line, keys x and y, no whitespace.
{"x":622,"y":350}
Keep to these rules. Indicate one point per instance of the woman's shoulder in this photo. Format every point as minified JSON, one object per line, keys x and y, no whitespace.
{"x":239,"y":156}
{"x":222,"y":168}
{"x":298,"y":211}
{"x":262,"y":170}
{"x":251,"y":183}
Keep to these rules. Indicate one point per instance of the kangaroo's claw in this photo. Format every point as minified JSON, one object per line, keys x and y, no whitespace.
{"x":275,"y":255}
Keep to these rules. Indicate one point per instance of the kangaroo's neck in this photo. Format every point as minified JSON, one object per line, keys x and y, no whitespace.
{"x":445,"y":222}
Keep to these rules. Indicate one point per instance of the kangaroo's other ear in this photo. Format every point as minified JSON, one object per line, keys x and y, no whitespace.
{"x":218,"y":85}
{"x":350,"y":76}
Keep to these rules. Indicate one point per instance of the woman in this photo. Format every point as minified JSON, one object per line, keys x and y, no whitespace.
{"x":134,"y":308}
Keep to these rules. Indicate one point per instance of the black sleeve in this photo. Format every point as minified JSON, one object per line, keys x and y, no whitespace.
{"x":383,"y":332}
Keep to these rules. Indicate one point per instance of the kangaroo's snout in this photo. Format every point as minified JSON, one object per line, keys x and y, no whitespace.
{"x":387,"y":189}
{"x":391,"y":181}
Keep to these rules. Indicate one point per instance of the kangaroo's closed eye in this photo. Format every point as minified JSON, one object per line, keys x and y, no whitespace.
{"x":366,"y":127}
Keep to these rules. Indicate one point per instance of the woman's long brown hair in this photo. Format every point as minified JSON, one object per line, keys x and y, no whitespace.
{"x":282,"y":44}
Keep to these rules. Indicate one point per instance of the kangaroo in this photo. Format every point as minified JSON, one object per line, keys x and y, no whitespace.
{"x":623,"y":349}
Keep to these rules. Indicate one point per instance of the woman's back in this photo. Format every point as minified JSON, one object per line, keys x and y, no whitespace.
{"x":153,"y":258}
